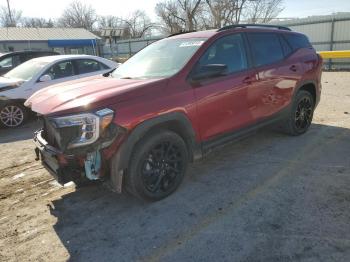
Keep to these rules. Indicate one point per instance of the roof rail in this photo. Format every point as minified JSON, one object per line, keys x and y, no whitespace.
{"x":180,"y":33}
{"x":253,"y":25}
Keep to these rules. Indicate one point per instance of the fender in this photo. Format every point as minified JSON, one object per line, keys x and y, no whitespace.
{"x":5,"y":100}
{"x":175,"y":121}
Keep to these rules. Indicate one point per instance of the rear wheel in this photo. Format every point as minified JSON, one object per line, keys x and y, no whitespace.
{"x":12,"y":115}
{"x":300,"y":117}
{"x":157,"y":166}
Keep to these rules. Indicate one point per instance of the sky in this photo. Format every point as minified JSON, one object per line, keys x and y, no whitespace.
{"x":54,"y":8}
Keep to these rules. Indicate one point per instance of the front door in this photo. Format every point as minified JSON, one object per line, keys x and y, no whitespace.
{"x":222,"y":101}
{"x":59,"y":72}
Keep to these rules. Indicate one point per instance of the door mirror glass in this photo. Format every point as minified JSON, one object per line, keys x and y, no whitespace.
{"x":45,"y":78}
{"x":210,"y":71}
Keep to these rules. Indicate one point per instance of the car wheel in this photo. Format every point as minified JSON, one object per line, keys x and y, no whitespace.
{"x":12,"y":115}
{"x":300,"y":117}
{"x":157,"y":166}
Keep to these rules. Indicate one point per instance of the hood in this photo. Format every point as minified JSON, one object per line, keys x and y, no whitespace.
{"x":83,"y":93}
{"x":8,"y":83}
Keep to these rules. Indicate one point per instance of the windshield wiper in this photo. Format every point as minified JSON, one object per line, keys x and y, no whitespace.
{"x":107,"y":74}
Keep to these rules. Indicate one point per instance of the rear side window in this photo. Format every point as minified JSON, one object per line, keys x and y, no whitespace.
{"x":88,"y":65}
{"x":29,"y":56}
{"x":287,"y":50}
{"x":266,"y":48}
{"x":297,"y":41}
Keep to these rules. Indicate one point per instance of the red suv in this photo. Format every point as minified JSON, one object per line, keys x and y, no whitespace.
{"x":171,"y":103}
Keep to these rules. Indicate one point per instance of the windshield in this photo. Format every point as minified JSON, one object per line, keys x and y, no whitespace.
{"x":160,"y":59}
{"x":26,"y":70}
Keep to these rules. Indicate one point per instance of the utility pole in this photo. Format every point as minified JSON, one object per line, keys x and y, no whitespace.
{"x":10,"y":15}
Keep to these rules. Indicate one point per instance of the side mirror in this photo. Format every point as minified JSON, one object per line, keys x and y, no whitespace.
{"x":210,"y":71}
{"x":45,"y":78}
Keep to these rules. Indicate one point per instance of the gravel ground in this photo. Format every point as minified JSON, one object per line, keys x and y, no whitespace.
{"x":269,"y":197}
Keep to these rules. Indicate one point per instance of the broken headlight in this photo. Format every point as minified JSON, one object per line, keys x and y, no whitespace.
{"x":85,"y":128}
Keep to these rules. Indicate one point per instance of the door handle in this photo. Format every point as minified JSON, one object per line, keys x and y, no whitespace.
{"x":293,"y":68}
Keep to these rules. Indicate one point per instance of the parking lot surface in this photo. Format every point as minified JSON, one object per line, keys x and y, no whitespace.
{"x":269,"y":197}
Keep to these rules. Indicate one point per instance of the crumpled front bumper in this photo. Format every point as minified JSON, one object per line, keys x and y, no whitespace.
{"x":64,"y":168}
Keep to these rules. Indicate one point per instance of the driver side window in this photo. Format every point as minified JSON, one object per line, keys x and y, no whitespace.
{"x":60,"y":70}
{"x":229,"y":51}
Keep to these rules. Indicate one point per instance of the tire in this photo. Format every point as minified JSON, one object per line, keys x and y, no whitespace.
{"x":12,"y":115}
{"x":301,"y":114}
{"x":157,"y":166}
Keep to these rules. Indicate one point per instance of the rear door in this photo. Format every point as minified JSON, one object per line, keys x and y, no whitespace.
{"x":222,"y":101}
{"x":277,"y":74}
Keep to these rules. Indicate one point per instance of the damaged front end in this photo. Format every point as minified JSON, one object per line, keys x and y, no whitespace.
{"x":72,"y":147}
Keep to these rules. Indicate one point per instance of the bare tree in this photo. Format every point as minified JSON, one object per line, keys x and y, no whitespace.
{"x":171,"y":19}
{"x":37,"y":22}
{"x":110,"y":22}
{"x":78,"y":14}
{"x":10,"y":19}
{"x":225,"y":12}
{"x":138,"y":24}
{"x":190,"y":9}
{"x":180,"y":15}
{"x":263,"y":11}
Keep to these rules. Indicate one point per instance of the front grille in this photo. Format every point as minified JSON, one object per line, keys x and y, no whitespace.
{"x":59,"y":137}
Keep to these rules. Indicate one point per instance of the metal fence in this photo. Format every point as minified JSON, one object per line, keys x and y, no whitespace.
{"x":126,"y":48}
{"x":326,"y":33}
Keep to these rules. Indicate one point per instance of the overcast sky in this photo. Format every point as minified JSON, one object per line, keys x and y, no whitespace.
{"x":54,"y":8}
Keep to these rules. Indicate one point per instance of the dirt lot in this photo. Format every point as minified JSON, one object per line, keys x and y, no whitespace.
{"x":270,"y":197}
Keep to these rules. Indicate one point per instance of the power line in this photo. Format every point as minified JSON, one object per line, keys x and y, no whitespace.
{"x":10,"y":15}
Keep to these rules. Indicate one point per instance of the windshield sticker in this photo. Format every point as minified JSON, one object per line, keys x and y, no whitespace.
{"x":192,"y":43}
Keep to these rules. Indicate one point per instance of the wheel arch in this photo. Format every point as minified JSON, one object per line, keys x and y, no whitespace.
{"x":309,"y":86}
{"x":5,"y":101}
{"x":177,"y":122}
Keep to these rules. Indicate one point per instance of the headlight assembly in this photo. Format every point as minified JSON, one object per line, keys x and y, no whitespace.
{"x":86,"y":128}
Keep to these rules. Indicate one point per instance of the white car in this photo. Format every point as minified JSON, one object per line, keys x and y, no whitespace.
{"x":24,"y":80}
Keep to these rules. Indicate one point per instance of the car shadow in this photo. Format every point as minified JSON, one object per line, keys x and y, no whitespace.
{"x":24,"y":132}
{"x":95,"y":224}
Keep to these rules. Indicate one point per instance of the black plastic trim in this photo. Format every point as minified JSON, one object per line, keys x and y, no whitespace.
{"x":221,"y":140}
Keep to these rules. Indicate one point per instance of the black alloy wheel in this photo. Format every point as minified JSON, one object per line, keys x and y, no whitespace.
{"x":303,"y":114}
{"x":161,"y":166}
{"x":157,"y":166}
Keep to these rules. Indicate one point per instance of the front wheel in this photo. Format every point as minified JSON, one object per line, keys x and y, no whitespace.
{"x":157,"y":166}
{"x":12,"y":115}
{"x":300,"y":117}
